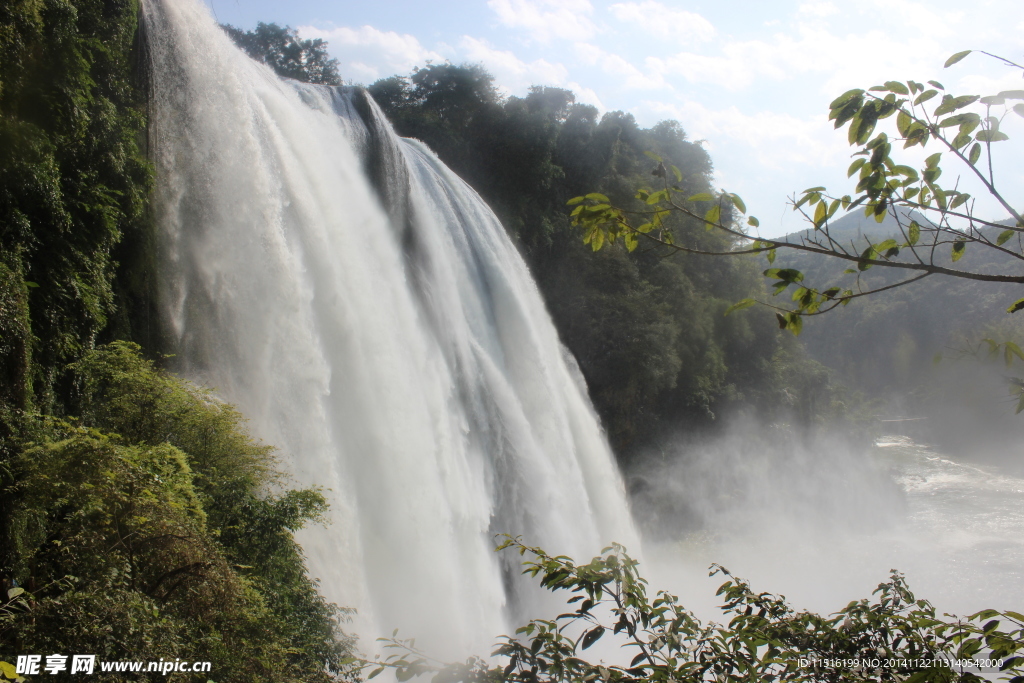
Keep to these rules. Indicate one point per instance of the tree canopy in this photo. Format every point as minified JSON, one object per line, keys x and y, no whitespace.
{"x":281,"y":48}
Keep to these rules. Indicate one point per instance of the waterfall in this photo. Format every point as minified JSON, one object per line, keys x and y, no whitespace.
{"x":366,"y":311}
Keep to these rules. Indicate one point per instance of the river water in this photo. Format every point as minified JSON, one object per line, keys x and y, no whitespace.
{"x":953,"y":527}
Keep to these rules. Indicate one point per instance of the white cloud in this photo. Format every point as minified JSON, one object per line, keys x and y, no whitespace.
{"x":663,"y":22}
{"x":626,"y":74}
{"x":586,"y":95}
{"x":546,"y":20}
{"x":846,"y":61}
{"x":776,"y":140}
{"x":365,"y":54}
{"x":818,"y":8}
{"x":512,"y":74}
{"x":922,"y":17}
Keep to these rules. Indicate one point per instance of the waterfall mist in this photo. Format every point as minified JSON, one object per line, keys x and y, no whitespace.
{"x":366,"y":311}
{"x":823,"y":519}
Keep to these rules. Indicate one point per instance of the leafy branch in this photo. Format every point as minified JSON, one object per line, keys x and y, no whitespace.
{"x":933,"y":220}
{"x":894,"y":637}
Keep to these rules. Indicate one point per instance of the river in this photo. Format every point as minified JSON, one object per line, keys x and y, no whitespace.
{"x":836,"y":526}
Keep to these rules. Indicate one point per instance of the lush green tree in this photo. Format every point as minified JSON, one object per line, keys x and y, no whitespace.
{"x":145,"y":530}
{"x":280,"y":48}
{"x":73,"y":184}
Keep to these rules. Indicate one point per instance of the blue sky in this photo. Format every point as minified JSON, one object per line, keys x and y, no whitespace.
{"x":751,"y":79}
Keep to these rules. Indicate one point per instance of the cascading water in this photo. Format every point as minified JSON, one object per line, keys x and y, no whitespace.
{"x":365,"y":309}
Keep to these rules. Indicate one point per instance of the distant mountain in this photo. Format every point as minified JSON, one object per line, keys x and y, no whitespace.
{"x":855,"y":227}
{"x":885,"y":343}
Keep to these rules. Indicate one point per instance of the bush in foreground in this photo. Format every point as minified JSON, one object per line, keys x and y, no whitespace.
{"x":894,"y":637}
{"x":146,"y":529}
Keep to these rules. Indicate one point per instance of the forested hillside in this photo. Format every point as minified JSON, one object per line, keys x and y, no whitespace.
{"x":921,"y":348}
{"x":885,"y":342}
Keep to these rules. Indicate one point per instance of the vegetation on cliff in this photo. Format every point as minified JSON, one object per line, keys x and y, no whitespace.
{"x":138,"y":520}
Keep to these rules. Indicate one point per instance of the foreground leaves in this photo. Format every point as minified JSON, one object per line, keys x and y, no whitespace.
{"x":894,"y":637}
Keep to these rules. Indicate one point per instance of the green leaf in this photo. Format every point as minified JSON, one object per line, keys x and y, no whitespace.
{"x":1019,"y":109}
{"x":701,"y":197}
{"x":10,"y":671}
{"x":905,"y":171}
{"x":955,"y":58}
{"x":959,"y":247}
{"x":740,"y":305}
{"x":951,"y":104}
{"x":959,"y":119}
{"x":597,"y":197}
{"x":659,"y":196}
{"x":592,"y":636}
{"x":1004,"y":236}
{"x":903,"y":122}
{"x":897,"y":87}
{"x":753,"y":222}
{"x":654,"y":156}
{"x":992,"y":136}
{"x":961,"y":197}
{"x":677,"y":173}
{"x":974,"y":154}
{"x":936,"y":84}
{"x":1012,"y":94}
{"x":14,"y":592}
{"x":914,"y":233}
{"x":820,"y":214}
{"x":844,"y":98}
{"x":31,"y":285}
{"x":813,"y":189}
{"x":770,"y":254}
{"x":785,"y":274}
{"x":574,"y":200}
{"x":925,"y":96}
{"x":712,"y":216}
{"x":738,"y":202}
